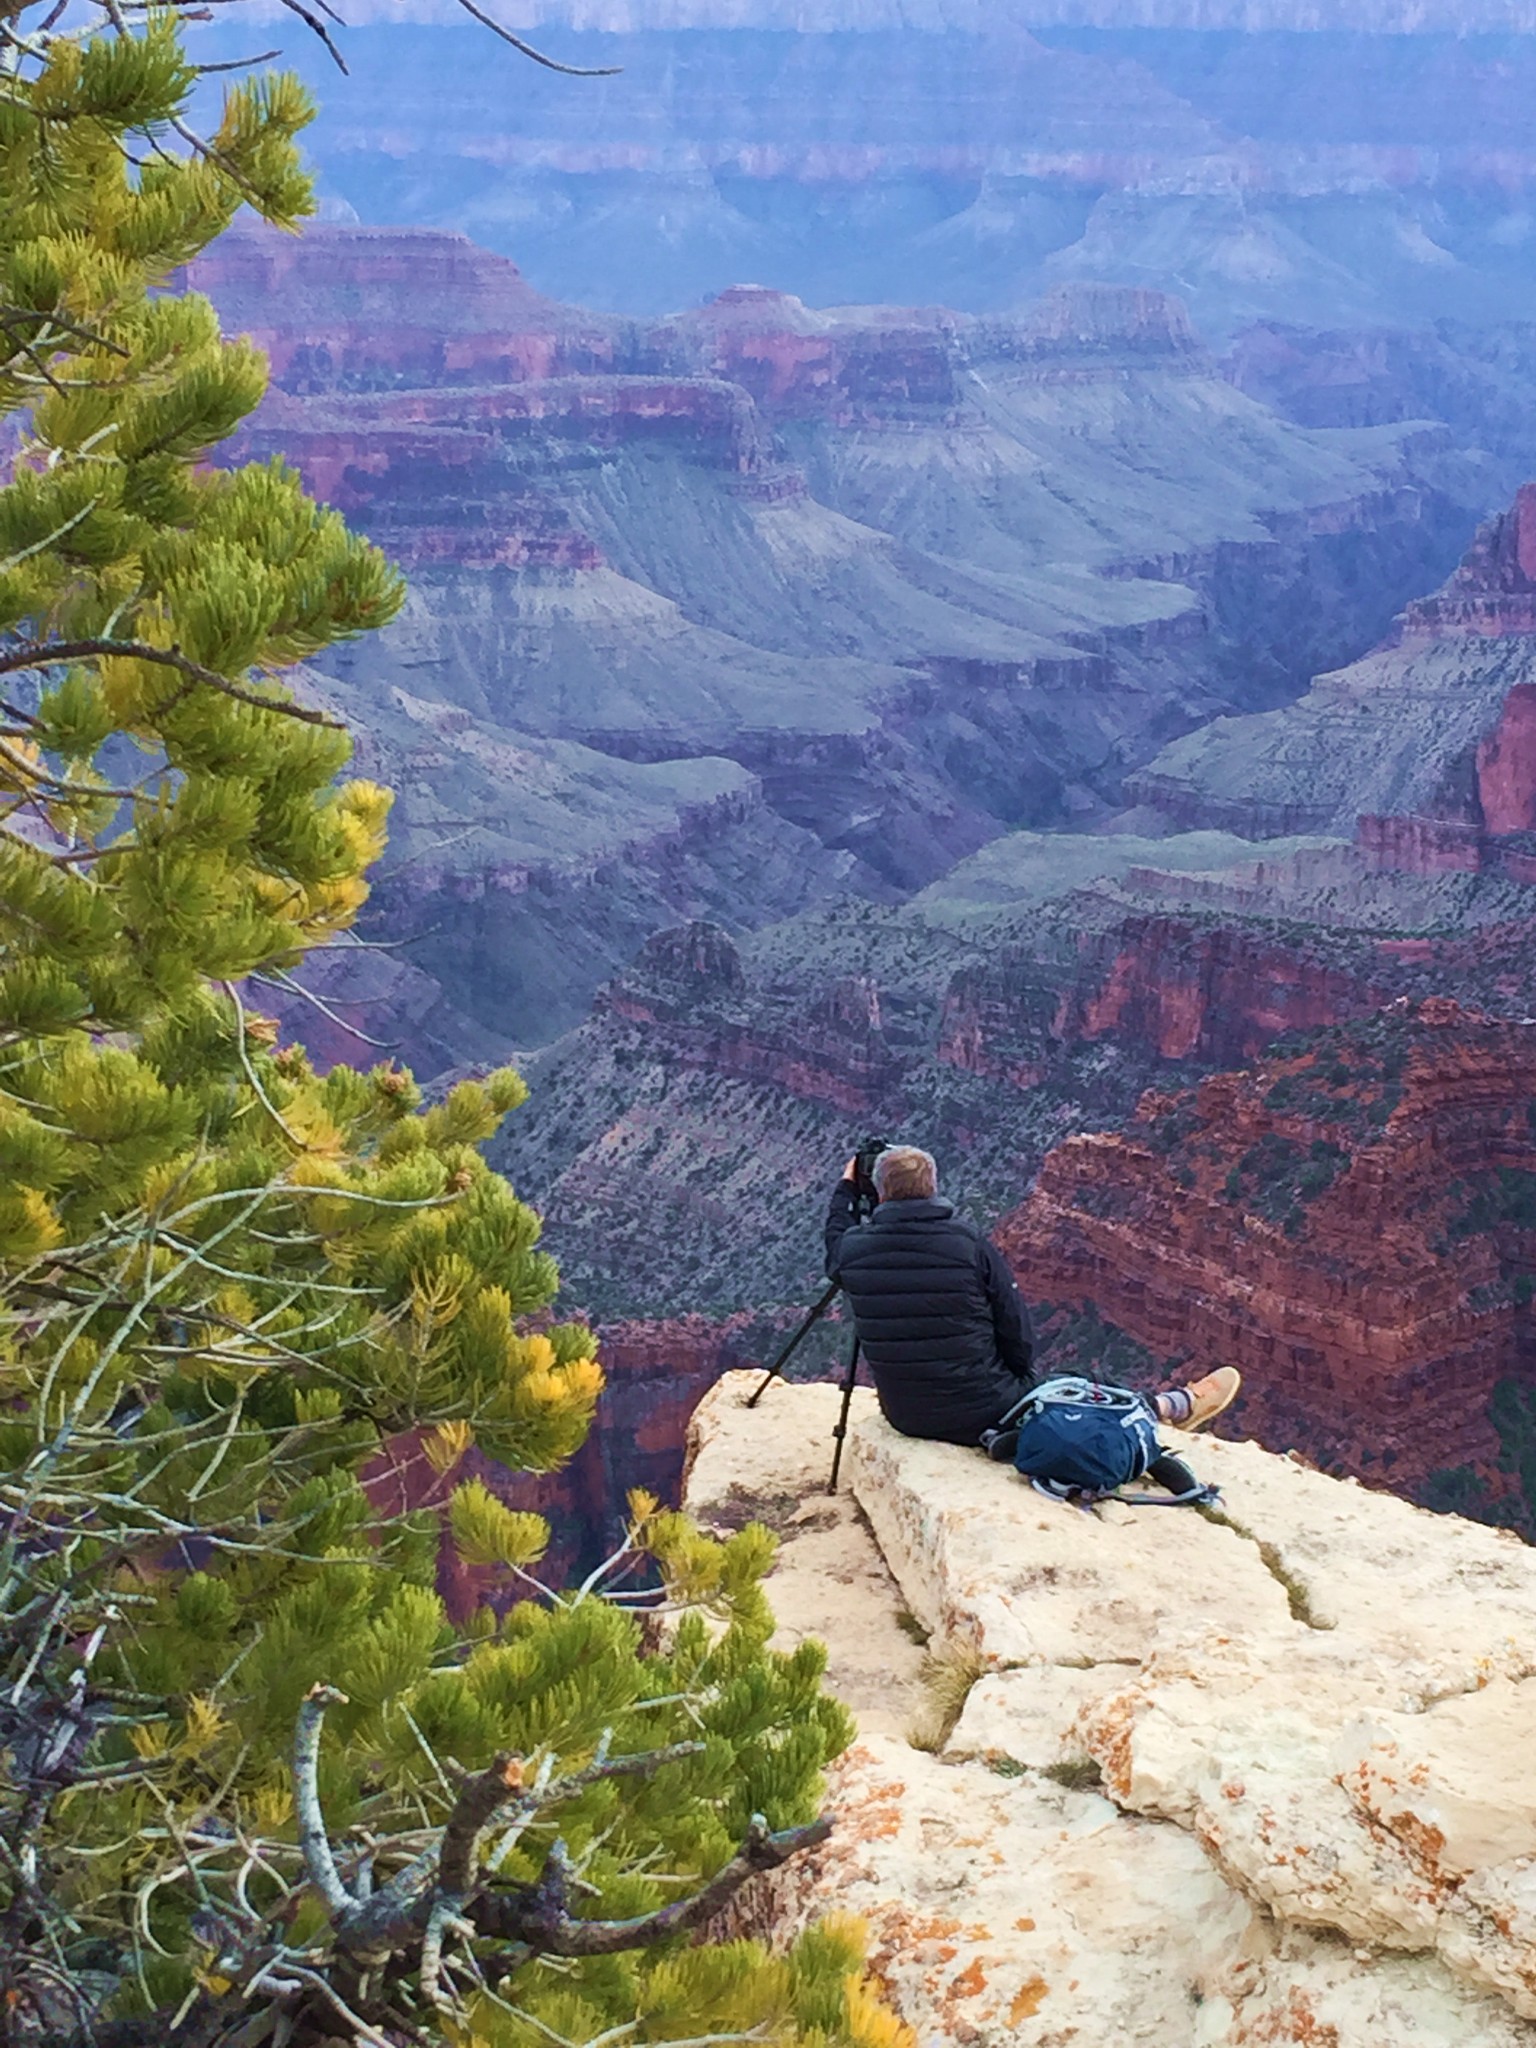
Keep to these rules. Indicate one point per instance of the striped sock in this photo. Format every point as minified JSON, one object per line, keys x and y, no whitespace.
{"x":1175,"y":1406}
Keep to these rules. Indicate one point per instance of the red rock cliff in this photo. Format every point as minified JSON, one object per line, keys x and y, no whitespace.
{"x":336,"y":308}
{"x":1350,"y":1226}
{"x":686,"y":991}
{"x":1493,"y":592}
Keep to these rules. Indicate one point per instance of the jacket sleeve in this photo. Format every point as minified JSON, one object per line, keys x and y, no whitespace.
{"x":841,"y":1211}
{"x":1010,"y":1318}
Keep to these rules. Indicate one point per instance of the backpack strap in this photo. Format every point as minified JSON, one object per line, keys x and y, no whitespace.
{"x":1199,"y":1497}
{"x":1196,"y":1495}
{"x":1067,"y":1392}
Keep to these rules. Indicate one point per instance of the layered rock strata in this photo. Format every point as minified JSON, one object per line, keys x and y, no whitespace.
{"x":1494,"y":590}
{"x":728,"y":614}
{"x":1353,"y":1226}
{"x":1438,"y":722}
{"x":1256,"y":1779}
{"x":1330,"y":177}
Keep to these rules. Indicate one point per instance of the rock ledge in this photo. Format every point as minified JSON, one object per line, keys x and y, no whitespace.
{"x":1261,"y":1780}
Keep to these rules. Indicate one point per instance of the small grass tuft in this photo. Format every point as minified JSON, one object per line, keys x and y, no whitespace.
{"x":946,"y":1678}
{"x":1297,"y":1597}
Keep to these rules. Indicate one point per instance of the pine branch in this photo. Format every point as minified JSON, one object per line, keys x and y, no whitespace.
{"x":540,"y":1918}
{"x":60,"y":651}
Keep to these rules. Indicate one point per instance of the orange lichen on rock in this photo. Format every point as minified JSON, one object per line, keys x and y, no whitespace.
{"x":971,"y":1981}
{"x":1027,"y":1999}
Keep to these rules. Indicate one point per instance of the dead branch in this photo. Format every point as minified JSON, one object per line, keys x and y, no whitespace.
{"x":540,"y":1919}
{"x":527,"y":49}
{"x":319,"y":1859}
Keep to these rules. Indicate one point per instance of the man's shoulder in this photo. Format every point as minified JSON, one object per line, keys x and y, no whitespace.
{"x":949,"y":1229}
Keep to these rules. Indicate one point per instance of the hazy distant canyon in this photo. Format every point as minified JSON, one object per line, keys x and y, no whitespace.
{"x":1322,"y":168}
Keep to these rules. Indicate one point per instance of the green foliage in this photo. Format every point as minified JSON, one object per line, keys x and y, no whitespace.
{"x":171,"y":828}
{"x":237,"y":1297}
{"x":1279,"y":1176}
{"x":1457,"y":1490}
{"x":1504,"y":1201}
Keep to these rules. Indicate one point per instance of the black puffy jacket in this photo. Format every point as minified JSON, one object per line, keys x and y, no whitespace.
{"x":938,"y":1313}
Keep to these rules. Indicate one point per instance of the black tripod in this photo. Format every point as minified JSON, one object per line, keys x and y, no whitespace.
{"x":849,"y":1378}
{"x":865,"y":1200}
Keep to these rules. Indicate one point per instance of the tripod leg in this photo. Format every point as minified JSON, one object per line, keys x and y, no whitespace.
{"x":818,"y":1310}
{"x":842,"y":1420}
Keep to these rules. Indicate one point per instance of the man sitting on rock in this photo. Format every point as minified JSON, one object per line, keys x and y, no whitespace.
{"x":940,"y":1319}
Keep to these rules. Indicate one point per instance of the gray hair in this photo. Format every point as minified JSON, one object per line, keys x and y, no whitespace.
{"x":904,"y":1174}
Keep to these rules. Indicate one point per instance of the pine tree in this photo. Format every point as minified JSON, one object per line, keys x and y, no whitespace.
{"x":255,"y":1785}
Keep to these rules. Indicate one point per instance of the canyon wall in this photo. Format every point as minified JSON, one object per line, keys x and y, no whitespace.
{"x":1352,"y":1226}
{"x":1435,"y":723}
{"x":708,"y":617}
{"x":1494,"y":590}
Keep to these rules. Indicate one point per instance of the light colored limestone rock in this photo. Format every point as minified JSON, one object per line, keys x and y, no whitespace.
{"x":986,"y":1560}
{"x":1450,"y":1603}
{"x":770,"y":1464}
{"x":1030,"y":1715}
{"x":1313,"y":1723}
{"x":1011,"y":1910}
{"x":1492,"y":1938}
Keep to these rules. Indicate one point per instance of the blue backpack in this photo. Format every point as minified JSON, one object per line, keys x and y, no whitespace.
{"x":1082,"y":1441}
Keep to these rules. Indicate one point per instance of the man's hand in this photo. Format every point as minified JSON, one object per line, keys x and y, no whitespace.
{"x":851,"y":1170}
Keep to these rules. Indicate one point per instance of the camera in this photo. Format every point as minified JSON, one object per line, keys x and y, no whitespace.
{"x":864,"y":1169}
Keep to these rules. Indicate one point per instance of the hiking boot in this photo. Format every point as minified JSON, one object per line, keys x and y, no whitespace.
{"x":1212,"y":1395}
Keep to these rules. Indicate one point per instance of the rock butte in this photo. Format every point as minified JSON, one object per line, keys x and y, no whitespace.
{"x":1264,"y":1780}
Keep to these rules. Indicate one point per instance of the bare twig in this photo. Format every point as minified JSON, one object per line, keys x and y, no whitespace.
{"x":527,"y":49}
{"x":251,"y":1074}
{"x":319,"y":1858}
{"x":484,"y":1795}
{"x":18,"y":316}
{"x":284,"y":1973}
{"x":313,"y":22}
{"x":280,"y":978}
{"x":406,"y":1901}
{"x":238,"y":63}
